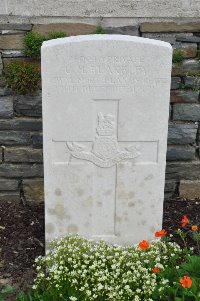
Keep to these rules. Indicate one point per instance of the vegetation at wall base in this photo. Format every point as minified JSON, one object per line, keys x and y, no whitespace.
{"x":177,"y":56}
{"x":100,"y":30}
{"x":22,"y":77}
{"x":33,"y":42}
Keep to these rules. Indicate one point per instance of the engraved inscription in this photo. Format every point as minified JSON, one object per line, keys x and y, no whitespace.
{"x":105,"y":149}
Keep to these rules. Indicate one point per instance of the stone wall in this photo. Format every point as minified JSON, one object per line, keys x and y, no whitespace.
{"x":21,"y":169}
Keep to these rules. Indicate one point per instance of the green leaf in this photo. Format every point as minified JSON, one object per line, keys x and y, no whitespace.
{"x":7,"y":290}
{"x":192,"y":266}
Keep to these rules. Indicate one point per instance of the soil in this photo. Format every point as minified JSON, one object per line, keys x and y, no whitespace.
{"x":22,"y":237}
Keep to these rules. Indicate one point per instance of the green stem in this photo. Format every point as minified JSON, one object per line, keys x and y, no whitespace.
{"x":198,"y":246}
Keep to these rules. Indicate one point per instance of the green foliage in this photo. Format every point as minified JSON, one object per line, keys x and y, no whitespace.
{"x":55,"y":35}
{"x":178,"y":56}
{"x":22,"y":77}
{"x":190,"y":268}
{"x":33,"y":42}
{"x":6,"y":290}
{"x":100,"y":30}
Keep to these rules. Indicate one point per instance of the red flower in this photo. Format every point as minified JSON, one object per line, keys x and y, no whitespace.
{"x":160,"y":233}
{"x":184,"y":221}
{"x":186,"y":281}
{"x":144,"y":245}
{"x":156,"y":270}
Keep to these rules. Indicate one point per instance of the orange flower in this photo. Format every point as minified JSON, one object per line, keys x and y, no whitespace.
{"x":160,"y":233}
{"x":186,"y":281}
{"x":156,"y":270}
{"x":194,"y":228}
{"x":144,"y":245}
{"x":184,"y":221}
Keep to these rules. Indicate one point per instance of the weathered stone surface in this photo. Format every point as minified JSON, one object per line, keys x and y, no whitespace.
{"x":184,"y":96}
{"x":192,"y":82}
{"x":71,"y":29}
{"x":5,"y":91}
{"x":33,"y":190}
{"x":17,"y":26}
{"x":189,"y":50}
{"x":12,"y":53}
{"x":22,"y":124}
{"x":190,"y":112}
{"x":11,"y":42}
{"x":11,"y":32}
{"x":178,"y":153}
{"x":175,"y":83}
{"x":170,"y":186}
{"x":2,"y":82}
{"x":8,"y":184}
{"x":170,"y":27}
{"x":101,"y":85}
{"x":100,"y":9}
{"x":182,"y":133}
{"x":124,"y":30}
{"x":1,"y":65}
{"x":183,"y":170}
{"x":37,"y":140}
{"x":170,"y":189}
{"x":189,"y":189}
{"x":10,"y":196}
{"x":27,"y":155}
{"x":170,"y":112}
{"x":189,"y":39}
{"x":186,"y":67}
{"x":166,"y":37}
{"x":14,"y":138}
{"x":10,"y":170}
{"x":6,"y":107}
{"x":28,"y":105}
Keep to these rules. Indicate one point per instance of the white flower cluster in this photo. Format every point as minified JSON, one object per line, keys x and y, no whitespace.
{"x":80,"y":269}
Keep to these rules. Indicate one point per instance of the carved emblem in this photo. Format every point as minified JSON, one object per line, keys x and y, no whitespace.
{"x":105,"y":150}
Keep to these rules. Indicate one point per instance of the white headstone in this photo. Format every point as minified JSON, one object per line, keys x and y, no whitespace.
{"x":105,"y":116}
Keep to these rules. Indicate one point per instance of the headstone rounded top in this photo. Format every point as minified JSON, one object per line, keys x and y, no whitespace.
{"x":105,"y":37}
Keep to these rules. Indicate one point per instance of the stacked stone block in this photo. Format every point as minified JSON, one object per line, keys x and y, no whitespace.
{"x":183,"y":157}
{"x":21,"y":168}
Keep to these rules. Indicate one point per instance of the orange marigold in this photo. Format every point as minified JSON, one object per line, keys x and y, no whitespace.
{"x":144,"y":245}
{"x":156,"y":270}
{"x":194,"y":228}
{"x":184,"y":221}
{"x":160,"y":233}
{"x":186,"y":282}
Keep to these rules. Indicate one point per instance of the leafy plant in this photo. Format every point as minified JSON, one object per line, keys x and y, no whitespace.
{"x":33,"y":42}
{"x":22,"y":77}
{"x":100,"y":30}
{"x":55,"y":35}
{"x":178,"y":56}
{"x":7,"y":290}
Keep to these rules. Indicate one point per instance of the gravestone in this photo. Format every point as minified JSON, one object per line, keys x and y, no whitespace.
{"x":105,"y":118}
